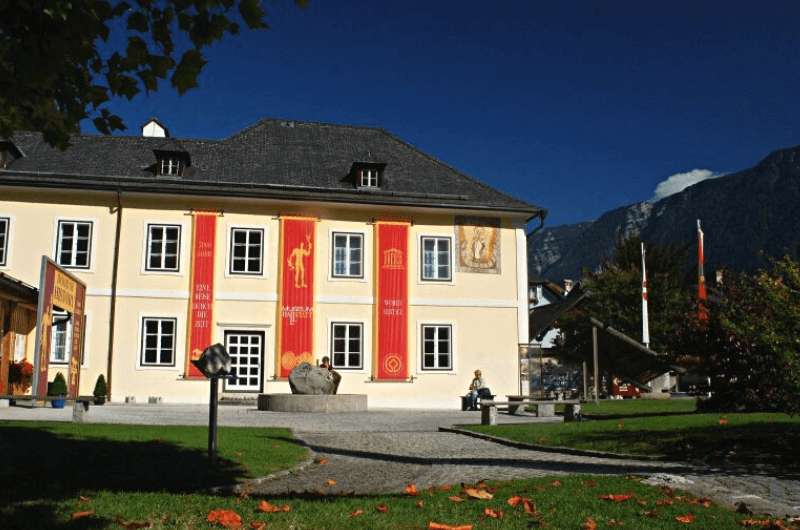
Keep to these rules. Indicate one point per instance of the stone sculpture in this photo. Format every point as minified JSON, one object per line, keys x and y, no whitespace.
{"x":307,"y":379}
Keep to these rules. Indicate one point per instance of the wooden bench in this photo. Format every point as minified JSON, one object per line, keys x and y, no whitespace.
{"x":544,"y":408}
{"x":465,"y":401}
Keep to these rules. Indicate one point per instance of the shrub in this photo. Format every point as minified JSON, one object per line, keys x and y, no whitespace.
{"x":58,"y":387}
{"x":100,"y":389}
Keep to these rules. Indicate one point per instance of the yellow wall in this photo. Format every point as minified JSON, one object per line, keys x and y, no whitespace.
{"x":483,"y":308}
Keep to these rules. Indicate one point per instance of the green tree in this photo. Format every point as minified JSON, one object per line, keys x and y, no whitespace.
{"x":62,"y":60}
{"x":749,"y":345}
{"x":615,"y":298}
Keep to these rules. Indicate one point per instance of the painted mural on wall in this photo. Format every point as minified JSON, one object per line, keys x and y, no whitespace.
{"x":478,"y":244}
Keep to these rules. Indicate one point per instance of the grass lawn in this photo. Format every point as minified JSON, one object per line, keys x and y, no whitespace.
{"x":639,"y":407}
{"x":122,"y":476}
{"x":737,"y":438}
{"x":567,"y":506}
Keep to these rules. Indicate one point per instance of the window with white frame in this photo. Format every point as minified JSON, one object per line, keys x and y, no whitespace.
{"x":347,"y":345}
{"x":247,"y":250}
{"x":158,"y":341}
{"x":5,"y":228}
{"x":163,"y":247}
{"x":437,"y":347}
{"x":436,"y":259}
{"x":74,"y":244}
{"x":348,"y":255}
{"x":370,"y":178}
{"x":61,"y":338}
{"x":171,"y":166}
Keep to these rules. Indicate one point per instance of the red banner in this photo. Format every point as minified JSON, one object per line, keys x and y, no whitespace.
{"x":391,"y":301}
{"x":201,"y":303}
{"x":296,"y":326}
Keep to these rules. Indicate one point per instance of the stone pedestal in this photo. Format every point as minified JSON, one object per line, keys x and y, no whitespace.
{"x":572,"y":412}
{"x":312,"y":402}
{"x":5,"y":403}
{"x":545,"y":410}
{"x":79,"y":411}
{"x":488,"y":415}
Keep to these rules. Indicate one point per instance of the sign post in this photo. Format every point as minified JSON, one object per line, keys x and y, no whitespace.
{"x":58,"y":288}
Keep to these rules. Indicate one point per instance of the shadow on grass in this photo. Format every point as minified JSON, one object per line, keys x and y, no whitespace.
{"x":46,"y":467}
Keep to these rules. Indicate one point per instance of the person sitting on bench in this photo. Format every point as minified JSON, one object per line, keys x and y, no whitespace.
{"x":477,"y":389}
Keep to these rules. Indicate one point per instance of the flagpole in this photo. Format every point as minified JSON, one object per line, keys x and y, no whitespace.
{"x":645,"y":316}
{"x":702,"y":295}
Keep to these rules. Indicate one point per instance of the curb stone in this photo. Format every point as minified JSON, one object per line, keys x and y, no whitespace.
{"x":553,"y":448}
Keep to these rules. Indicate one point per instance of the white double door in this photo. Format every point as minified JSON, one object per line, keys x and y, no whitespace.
{"x":246,"y":349}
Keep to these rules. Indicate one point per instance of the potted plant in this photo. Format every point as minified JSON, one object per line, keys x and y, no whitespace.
{"x":20,"y":375}
{"x":100,"y":390}
{"x":58,"y":391}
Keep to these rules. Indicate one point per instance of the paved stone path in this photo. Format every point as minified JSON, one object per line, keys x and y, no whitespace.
{"x":383,"y":450}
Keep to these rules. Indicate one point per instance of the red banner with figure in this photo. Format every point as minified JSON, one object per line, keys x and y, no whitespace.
{"x":391,"y":301}
{"x":201,"y":302}
{"x":296,"y":318}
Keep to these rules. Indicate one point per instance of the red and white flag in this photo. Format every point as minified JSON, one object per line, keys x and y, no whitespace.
{"x":645,"y":317}
{"x":702,"y":295}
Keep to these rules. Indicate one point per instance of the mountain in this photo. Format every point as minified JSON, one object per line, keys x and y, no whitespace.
{"x":746,"y":216}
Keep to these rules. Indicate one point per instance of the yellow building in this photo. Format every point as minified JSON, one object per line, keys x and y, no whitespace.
{"x":121,"y":214}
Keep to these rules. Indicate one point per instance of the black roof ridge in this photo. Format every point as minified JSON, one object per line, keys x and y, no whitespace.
{"x":267,"y":119}
{"x":457,"y":171}
{"x":101,"y":136}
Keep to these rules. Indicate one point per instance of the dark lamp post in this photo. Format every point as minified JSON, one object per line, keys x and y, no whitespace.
{"x":215,"y":364}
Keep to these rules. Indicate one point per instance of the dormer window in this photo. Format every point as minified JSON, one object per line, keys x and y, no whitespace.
{"x":8,"y":153}
{"x":370,"y":177}
{"x":171,"y":166}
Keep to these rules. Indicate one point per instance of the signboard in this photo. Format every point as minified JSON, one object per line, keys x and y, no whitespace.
{"x":201,"y":301}
{"x":391,"y":301}
{"x":296,"y":301}
{"x":58,"y":288}
{"x":618,"y":388}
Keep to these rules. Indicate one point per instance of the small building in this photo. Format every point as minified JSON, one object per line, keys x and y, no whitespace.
{"x":17,"y":326}
{"x":286,"y":242}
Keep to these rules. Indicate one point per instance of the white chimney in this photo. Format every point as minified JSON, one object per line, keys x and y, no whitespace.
{"x":567,"y":285}
{"x":154,"y":128}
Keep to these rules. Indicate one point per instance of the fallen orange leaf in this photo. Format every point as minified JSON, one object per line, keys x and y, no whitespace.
{"x":81,"y":515}
{"x":620,"y":425}
{"x":411,"y":489}
{"x":330,"y":482}
{"x":589,"y":524}
{"x":530,"y":508}
{"x":268,"y":507}
{"x":444,"y":487}
{"x":133,"y":525}
{"x":321,"y":461}
{"x":685,"y":519}
{"x":556,"y":483}
{"x":664,"y":502}
{"x":590,"y":483}
{"x":455,"y":498}
{"x":649,"y":513}
{"x":356,"y":513}
{"x":83,"y":499}
{"x":478,"y":494}
{"x":382,"y":508}
{"x":614,"y":522}
{"x":514,"y":501}
{"x":258,"y":525}
{"x":616,"y":497}
{"x":420,"y":504}
{"x":723,"y":421}
{"x":226,"y":518}
{"x":489,"y":512}
{"x":704,"y":502}
{"x":441,"y":526}
{"x":756,"y":522}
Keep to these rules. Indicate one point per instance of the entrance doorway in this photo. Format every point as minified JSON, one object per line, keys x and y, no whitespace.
{"x":246,"y":349}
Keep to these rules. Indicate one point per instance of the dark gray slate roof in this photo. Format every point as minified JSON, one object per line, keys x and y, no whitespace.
{"x":272,"y":158}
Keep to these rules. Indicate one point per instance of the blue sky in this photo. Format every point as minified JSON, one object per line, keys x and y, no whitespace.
{"x":578,"y":107}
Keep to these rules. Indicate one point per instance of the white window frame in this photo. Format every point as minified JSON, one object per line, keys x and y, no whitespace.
{"x":148,"y":241}
{"x":347,"y":275}
{"x":171,"y":166}
{"x":347,"y":325}
{"x":67,"y":339}
{"x":262,"y":333}
{"x":142,"y":337}
{"x":369,"y":177}
{"x":453,"y":370}
{"x":265,"y":265}
{"x":421,"y":260}
{"x":6,"y":246}
{"x":57,"y":247}
{"x":231,"y":242}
